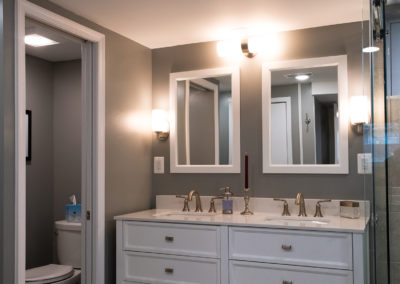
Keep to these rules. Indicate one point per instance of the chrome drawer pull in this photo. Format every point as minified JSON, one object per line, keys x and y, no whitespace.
{"x":287,"y":282}
{"x":287,"y":248}
{"x":169,"y":239}
{"x":169,"y":270}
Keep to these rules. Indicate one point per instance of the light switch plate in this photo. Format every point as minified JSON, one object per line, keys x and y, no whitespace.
{"x":158,"y":165}
{"x":364,"y":163}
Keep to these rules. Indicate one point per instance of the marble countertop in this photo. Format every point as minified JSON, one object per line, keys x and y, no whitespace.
{"x":259,"y":219}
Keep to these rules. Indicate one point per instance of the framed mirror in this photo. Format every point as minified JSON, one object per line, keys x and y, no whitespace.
{"x":205,"y":121}
{"x":305,"y":120}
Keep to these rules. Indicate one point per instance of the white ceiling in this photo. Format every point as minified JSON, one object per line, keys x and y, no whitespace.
{"x":68,"y":47}
{"x":162,"y":23}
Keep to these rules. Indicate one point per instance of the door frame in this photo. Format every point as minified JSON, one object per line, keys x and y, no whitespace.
{"x":288,"y":102}
{"x":95,"y":100}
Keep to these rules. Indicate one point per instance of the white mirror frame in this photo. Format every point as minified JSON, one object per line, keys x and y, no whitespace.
{"x":196,"y":74}
{"x":343,"y":166}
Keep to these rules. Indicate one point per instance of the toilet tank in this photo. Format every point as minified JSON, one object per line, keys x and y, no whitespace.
{"x":68,"y":239}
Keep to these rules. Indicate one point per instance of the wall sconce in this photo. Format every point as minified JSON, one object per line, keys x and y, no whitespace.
{"x":160,"y":124}
{"x":359,"y":113}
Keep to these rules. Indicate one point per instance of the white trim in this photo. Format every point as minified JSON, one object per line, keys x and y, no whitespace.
{"x":287,"y":101}
{"x":174,"y":77}
{"x":343,"y":166}
{"x":25,"y":8}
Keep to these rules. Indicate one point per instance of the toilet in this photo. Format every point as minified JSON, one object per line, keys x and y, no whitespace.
{"x":68,"y":237}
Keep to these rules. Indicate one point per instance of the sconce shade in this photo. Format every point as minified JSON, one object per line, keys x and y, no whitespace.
{"x":229,"y":48}
{"x":359,"y":110}
{"x":160,"y":120}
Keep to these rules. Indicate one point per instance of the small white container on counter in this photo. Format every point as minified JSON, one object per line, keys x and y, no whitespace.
{"x":350,"y":209}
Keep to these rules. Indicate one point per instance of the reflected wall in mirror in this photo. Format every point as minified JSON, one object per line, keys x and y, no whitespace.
{"x":205,"y":121}
{"x":304,"y":116}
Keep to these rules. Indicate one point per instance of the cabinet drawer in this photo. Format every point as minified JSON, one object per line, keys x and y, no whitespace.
{"x":158,"y":268}
{"x":180,"y":239}
{"x":305,"y":248}
{"x":263,"y":273}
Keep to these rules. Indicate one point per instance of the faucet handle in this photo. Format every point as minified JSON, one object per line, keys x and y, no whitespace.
{"x":212,"y":203}
{"x":185,"y":202}
{"x":285,"y":206}
{"x":318,"y":212}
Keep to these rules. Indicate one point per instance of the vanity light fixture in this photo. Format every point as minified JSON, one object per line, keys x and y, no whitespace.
{"x":359,"y":113}
{"x":37,"y":40}
{"x":370,"y":49}
{"x":250,"y":47}
{"x":228,"y":48}
{"x":160,"y":124}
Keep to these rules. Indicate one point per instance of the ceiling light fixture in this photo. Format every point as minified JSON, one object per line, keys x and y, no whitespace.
{"x":36,"y":40}
{"x":299,"y":76}
{"x":370,"y":49}
{"x":302,"y":77}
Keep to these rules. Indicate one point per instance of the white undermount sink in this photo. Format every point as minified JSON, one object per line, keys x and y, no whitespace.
{"x":297,"y":219}
{"x":183,"y":214}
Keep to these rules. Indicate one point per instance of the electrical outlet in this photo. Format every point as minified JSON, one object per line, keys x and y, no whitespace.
{"x":364,"y":163}
{"x":158,"y":165}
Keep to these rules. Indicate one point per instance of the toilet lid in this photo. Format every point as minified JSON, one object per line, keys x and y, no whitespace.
{"x":48,"y":273}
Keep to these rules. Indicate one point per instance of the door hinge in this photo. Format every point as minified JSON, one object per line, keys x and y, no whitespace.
{"x":88,"y":215}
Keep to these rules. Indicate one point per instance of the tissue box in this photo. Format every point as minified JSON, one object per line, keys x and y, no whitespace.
{"x":73,"y":213}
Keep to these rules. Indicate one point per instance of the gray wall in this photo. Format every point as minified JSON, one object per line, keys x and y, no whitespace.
{"x":66,"y":134}
{"x":128,"y":128}
{"x":39,"y":171}
{"x":315,"y":42}
{"x":7,"y":142}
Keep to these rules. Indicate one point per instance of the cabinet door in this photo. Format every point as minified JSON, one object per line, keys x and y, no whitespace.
{"x":242,"y":272}
{"x":295,"y":247}
{"x":169,"y":269}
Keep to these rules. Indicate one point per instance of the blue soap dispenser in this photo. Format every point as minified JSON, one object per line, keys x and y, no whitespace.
{"x":227,"y":204}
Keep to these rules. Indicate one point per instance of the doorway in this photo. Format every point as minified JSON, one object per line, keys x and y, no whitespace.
{"x":92,"y":139}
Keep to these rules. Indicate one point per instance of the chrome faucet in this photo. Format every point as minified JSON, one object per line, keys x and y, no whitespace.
{"x":198,"y":201}
{"x":302,"y":206}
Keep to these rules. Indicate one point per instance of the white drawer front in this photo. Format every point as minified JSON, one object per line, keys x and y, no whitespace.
{"x":242,"y":272}
{"x":158,"y":268}
{"x":316,"y":249}
{"x":179,"y":239}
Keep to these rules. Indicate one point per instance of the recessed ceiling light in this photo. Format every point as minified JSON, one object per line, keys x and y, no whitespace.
{"x":302,"y":77}
{"x":36,"y":40}
{"x":370,"y":49}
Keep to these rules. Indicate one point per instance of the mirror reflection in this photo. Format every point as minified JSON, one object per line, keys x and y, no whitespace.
{"x":204,"y":121}
{"x":304,"y":118}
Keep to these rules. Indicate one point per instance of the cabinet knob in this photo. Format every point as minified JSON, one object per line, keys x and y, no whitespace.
{"x":287,"y":282}
{"x":169,"y":239}
{"x":287,"y":248}
{"x":169,"y":270}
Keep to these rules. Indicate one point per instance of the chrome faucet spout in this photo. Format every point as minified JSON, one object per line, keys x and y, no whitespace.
{"x":302,"y":206}
{"x":198,"y":201}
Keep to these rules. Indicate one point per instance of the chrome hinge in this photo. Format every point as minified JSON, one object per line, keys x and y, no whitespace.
{"x":87,"y":215}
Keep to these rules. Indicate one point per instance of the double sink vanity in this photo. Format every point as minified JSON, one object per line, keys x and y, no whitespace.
{"x":305,"y":129}
{"x":169,"y":245}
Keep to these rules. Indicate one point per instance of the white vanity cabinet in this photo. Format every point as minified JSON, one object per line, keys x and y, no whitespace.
{"x":182,"y":252}
{"x":152,"y":252}
{"x":258,"y":255}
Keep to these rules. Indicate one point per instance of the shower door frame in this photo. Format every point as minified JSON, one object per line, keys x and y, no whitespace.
{"x":93,"y":122}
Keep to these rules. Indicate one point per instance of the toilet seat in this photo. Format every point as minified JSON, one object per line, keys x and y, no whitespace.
{"x":48,"y":274}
